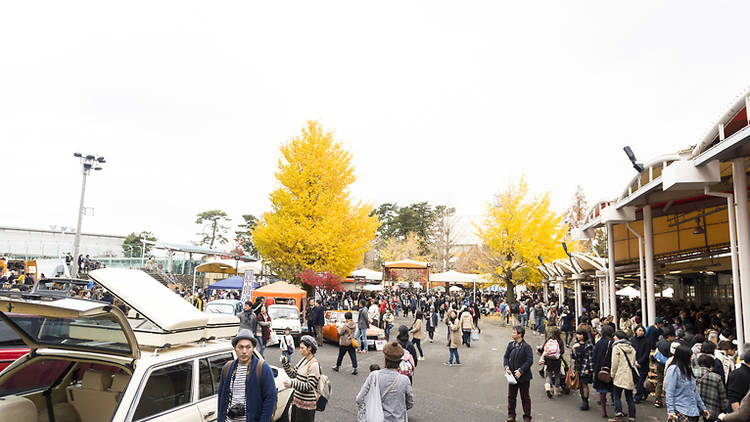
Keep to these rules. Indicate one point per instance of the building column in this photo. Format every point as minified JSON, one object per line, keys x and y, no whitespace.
{"x":546,"y":291}
{"x":612,"y":288}
{"x":739,"y":179}
{"x":578,"y":299}
{"x":648,"y":235}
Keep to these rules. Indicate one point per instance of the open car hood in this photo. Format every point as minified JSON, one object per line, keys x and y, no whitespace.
{"x":71,"y":324}
{"x":158,"y":316}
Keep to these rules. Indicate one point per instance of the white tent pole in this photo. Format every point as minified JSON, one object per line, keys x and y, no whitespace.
{"x":193,"y":292}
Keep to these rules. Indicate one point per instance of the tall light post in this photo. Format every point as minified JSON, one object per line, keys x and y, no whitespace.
{"x":88,"y":162}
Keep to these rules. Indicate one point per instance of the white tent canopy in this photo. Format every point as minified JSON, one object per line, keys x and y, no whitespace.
{"x":629,"y":292}
{"x":454,"y":277}
{"x":666,"y":293}
{"x":368,"y":274}
{"x":372,"y":287}
{"x":455,"y":289}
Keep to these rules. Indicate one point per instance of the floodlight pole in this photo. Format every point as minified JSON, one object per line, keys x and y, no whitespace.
{"x":87,"y":163}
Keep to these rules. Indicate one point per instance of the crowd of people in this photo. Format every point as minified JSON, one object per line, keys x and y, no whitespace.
{"x":688,"y":358}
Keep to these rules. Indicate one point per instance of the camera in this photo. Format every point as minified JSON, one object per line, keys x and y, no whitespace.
{"x":236,"y":411}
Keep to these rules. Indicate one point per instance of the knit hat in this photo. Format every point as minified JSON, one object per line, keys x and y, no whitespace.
{"x":393,"y":351}
{"x":658,"y":320}
{"x":310,"y":342}
{"x":244,"y":335}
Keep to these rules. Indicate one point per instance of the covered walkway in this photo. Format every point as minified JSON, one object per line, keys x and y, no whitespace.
{"x":679,"y":223}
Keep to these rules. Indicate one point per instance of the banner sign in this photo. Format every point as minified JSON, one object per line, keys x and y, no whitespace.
{"x":247,"y":285}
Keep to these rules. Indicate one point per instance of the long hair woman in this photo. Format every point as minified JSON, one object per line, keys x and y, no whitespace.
{"x":416,"y":333}
{"x":602,"y":358}
{"x":552,"y":363}
{"x":683,"y":400}
{"x":304,"y":379}
{"x":583,"y":355}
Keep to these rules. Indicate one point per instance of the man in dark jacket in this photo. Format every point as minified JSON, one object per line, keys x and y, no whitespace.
{"x":248,"y":320}
{"x":642,"y":354}
{"x":738,"y":382}
{"x":245,"y":393}
{"x":318,"y":321}
{"x":517,"y":361}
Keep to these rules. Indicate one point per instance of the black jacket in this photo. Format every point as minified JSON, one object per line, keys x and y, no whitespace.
{"x":642,"y":347}
{"x":602,"y":358}
{"x":519,"y":356}
{"x":738,"y":384}
{"x":317,"y":315}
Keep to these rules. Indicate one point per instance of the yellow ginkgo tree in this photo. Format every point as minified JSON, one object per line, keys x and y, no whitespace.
{"x":517,"y":229}
{"x":314,"y":224}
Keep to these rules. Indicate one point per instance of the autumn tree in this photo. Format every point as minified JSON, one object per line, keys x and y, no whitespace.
{"x":244,"y":236}
{"x":517,"y":230}
{"x":395,"y":249}
{"x":576,"y":213}
{"x":214,"y":228}
{"x":314,"y":224}
{"x":133,"y":246}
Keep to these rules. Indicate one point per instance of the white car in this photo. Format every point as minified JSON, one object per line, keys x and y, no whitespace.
{"x":89,"y":362}
{"x":224,"y":306}
{"x":285,"y":316}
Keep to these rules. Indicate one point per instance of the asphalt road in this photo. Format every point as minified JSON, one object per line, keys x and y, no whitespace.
{"x":474,"y":391}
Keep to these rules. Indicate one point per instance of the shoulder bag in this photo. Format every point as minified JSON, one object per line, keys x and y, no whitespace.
{"x":604,"y":375}
{"x":632,"y":370}
{"x":355,"y":343}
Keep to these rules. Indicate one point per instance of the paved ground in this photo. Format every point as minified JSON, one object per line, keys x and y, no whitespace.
{"x":474,"y":391}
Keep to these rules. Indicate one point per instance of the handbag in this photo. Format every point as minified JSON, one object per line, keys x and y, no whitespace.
{"x":273,"y":339}
{"x":572,"y":380}
{"x":511,"y":379}
{"x":603,"y":375}
{"x":474,"y":335}
{"x":374,"y":401}
{"x":355,"y":343}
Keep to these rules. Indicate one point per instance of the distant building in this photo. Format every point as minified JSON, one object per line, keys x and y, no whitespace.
{"x":47,"y":243}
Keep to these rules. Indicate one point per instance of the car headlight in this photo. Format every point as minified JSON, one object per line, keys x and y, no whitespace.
{"x":381,"y":336}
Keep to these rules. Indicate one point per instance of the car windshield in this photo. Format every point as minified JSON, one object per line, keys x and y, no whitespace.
{"x":101,"y":332}
{"x":220,"y":308}
{"x":53,"y":286}
{"x":283,"y":313}
{"x":8,"y":337}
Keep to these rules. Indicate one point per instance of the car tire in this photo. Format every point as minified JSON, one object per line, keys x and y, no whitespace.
{"x":287,"y":415}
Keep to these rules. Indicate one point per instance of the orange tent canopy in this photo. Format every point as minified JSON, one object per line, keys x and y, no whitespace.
{"x":281,"y":289}
{"x":407,"y":263}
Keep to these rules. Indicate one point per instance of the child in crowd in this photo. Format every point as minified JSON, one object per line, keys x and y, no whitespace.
{"x":286,"y":344}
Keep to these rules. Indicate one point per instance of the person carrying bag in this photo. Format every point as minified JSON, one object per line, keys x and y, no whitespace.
{"x":386,"y":395}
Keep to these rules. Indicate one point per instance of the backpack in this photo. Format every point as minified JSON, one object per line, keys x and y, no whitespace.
{"x":406,"y":367}
{"x":552,"y":349}
{"x":323,"y":391}
{"x":514,"y":308}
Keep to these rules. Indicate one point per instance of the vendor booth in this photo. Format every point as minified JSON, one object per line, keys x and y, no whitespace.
{"x":282,"y":293}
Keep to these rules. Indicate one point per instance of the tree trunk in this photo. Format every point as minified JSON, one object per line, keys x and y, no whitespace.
{"x":510,"y":293}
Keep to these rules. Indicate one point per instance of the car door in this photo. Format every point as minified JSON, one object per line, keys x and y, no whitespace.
{"x":209,"y":372}
{"x":167,"y":393}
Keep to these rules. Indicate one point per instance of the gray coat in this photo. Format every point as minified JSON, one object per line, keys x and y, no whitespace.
{"x":248,"y":321}
{"x":397,"y":401}
{"x":363,"y":320}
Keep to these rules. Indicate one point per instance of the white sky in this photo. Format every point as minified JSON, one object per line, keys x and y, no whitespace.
{"x":446,"y":102}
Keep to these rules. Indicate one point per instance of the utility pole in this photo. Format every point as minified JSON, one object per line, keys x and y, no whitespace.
{"x":88,"y":162}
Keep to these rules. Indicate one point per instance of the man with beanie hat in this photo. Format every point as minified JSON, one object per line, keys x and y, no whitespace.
{"x":396,"y":392}
{"x":247,"y":392}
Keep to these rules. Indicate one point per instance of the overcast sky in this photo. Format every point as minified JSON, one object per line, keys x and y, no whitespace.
{"x":446,"y":102}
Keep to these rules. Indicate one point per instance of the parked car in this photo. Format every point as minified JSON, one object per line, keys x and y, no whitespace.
{"x":58,"y":286}
{"x":11,"y":346}
{"x":89,"y":362}
{"x":224,"y":306}
{"x":335,"y":319}
{"x":285,"y":316}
